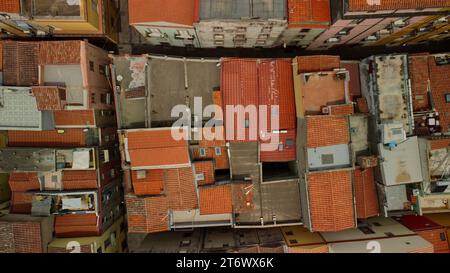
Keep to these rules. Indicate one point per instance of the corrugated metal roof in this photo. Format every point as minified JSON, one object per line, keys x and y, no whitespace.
{"x":182,"y":12}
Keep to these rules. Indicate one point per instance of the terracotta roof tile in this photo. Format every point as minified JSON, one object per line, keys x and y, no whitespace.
{"x":317,"y":63}
{"x":354,"y":84}
{"x":440,"y":81}
{"x":364,"y":5}
{"x":181,"y":192}
{"x":156,"y":149}
{"x":210,"y":137}
{"x":342,"y":109}
{"x":77,"y":225}
{"x":309,"y":12}
{"x":49,"y":98}
{"x":365,"y":194}
{"x":427,"y":229}
{"x":21,"y":202}
{"x":150,"y":182}
{"x":419,"y":74}
{"x":327,"y":131}
{"x":183,"y":12}
{"x":437,"y":144}
{"x":276,"y":88}
{"x":331,"y":201}
{"x":77,"y":118}
{"x":20,"y":63}
{"x":80,"y":180}
{"x":70,"y":138}
{"x":286,"y":149}
{"x":218,"y":154}
{"x":206,"y":170}
{"x":147,"y":215}
{"x":22,"y":182}
{"x":215,"y":199}
{"x":239,"y":84}
{"x":10,"y":6}
{"x":60,"y":52}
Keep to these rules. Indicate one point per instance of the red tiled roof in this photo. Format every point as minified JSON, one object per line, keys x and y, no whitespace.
{"x":419,"y":74}
{"x":20,"y":59}
{"x":307,"y":64}
{"x":365,"y":194}
{"x":22,"y":182}
{"x":342,"y":109}
{"x":309,"y":12}
{"x":239,"y":84}
{"x":181,"y":192}
{"x":331,"y":201}
{"x":440,"y":82}
{"x":76,"y":225}
{"x":147,"y":215}
{"x":60,"y":52}
{"x":78,"y":118}
{"x":206,"y":168}
{"x":215,"y":199}
{"x":79,"y":180}
{"x":151,"y":184}
{"x":10,"y":6}
{"x":364,"y":5}
{"x":354,"y":84}
{"x":49,"y":98}
{"x":183,"y":12}
{"x":21,"y":202}
{"x":23,"y":236}
{"x":428,"y":230}
{"x":437,"y":144}
{"x":276,"y":88}
{"x":327,"y":131}
{"x":156,"y":149}
{"x":213,"y":133}
{"x":286,"y":147}
{"x":69,"y":138}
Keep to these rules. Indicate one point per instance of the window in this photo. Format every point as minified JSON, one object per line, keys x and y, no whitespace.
{"x":91,"y":66}
{"x":217,"y":29}
{"x":263,"y":36}
{"x":184,"y":35}
{"x":101,"y":69}
{"x":154,"y":33}
{"x":293,"y":242}
{"x":280,"y":147}
{"x":200,"y":176}
{"x":305,"y":30}
{"x":93,"y":99}
{"x":447,"y":98}
{"x":202,"y":152}
{"x":218,"y":151}
{"x":289,"y":233}
{"x":241,"y":29}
